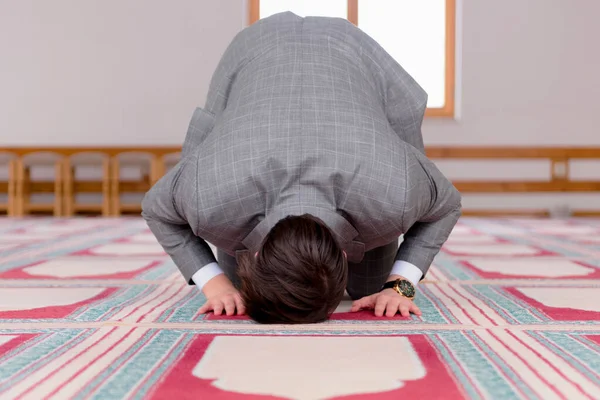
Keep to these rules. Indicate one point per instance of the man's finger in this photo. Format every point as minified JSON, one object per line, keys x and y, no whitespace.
{"x":392,"y":308}
{"x":356,"y":306}
{"x":415,"y":309}
{"x":218,"y":307}
{"x":239,"y":304}
{"x":404,"y":310}
{"x":380,"y":306}
{"x":229,"y":306}
{"x":359,"y":304}
{"x":206,"y":307}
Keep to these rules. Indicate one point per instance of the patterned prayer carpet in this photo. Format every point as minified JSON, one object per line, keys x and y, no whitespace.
{"x":92,"y":308}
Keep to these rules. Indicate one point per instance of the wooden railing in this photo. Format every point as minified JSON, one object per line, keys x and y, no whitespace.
{"x":559,"y":180}
{"x":153,"y":162}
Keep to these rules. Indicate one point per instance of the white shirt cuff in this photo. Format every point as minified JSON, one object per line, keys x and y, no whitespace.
{"x":407,"y":270}
{"x":205,"y":274}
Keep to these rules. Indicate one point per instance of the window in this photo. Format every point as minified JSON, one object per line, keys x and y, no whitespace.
{"x":418,"y":34}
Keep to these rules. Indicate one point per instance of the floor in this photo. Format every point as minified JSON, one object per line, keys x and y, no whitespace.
{"x":92,"y":308}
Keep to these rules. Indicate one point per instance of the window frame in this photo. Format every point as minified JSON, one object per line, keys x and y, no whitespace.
{"x":450,"y":74}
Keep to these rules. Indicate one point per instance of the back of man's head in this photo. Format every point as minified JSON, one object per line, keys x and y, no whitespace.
{"x":298,"y":276}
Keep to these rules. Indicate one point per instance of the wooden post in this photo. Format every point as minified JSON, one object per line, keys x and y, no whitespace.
{"x":12,"y":182}
{"x":25,"y":203}
{"x":106,"y":192}
{"x":58,"y":188}
{"x":68,"y":195}
{"x":21,"y":189}
{"x":115,"y":192}
{"x":157,"y":169}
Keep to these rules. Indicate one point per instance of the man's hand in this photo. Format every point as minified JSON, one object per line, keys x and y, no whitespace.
{"x":221,"y":296}
{"x":387,"y":302}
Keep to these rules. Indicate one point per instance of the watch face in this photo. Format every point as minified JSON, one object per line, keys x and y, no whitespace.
{"x":406,"y":288}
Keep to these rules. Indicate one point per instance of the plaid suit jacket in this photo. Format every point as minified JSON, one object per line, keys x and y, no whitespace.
{"x":304,"y":115}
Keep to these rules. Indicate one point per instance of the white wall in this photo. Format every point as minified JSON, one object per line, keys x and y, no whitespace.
{"x":77,"y":72}
{"x":529,"y":74}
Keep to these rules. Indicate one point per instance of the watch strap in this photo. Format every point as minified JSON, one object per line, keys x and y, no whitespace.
{"x":395,"y":284}
{"x":388,"y":285}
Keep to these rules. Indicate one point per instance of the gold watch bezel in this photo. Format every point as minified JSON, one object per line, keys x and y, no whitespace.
{"x":396,"y":287}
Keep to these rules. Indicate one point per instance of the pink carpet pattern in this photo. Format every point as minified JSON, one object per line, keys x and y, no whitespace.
{"x":93,"y":308}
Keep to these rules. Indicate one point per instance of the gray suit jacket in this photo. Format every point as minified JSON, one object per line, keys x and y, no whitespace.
{"x":304,"y":115}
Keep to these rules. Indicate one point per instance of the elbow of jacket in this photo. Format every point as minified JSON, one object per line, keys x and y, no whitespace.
{"x":456,"y":200}
{"x":147,"y":205}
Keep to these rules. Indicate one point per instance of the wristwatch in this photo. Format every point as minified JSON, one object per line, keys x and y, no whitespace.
{"x":404,"y":287}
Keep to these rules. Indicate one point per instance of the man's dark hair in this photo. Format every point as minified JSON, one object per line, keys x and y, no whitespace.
{"x":299,"y":275}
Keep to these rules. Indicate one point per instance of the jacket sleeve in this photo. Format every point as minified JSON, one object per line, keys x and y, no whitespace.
{"x":170,"y":210}
{"x":433,"y":206}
